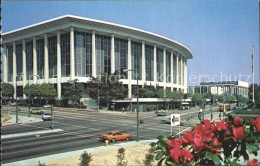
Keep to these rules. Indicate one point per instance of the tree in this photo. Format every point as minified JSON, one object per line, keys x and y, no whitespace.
{"x":7,"y":90}
{"x":230,"y":98}
{"x":107,"y":87}
{"x":256,"y":93}
{"x":34,"y":90}
{"x":72,"y":91}
{"x":47,"y":91}
{"x":196,"y":98}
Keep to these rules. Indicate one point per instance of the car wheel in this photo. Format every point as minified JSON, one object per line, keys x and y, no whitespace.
{"x":127,"y":138}
{"x":113,"y":140}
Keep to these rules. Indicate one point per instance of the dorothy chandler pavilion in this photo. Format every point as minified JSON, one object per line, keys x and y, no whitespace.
{"x":70,"y":47}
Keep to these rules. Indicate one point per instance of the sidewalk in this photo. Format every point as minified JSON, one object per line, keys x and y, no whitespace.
{"x":21,"y":120}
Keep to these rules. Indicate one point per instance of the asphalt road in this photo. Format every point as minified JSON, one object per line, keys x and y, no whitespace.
{"x":80,"y":131}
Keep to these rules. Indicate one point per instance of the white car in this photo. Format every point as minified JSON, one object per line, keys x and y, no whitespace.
{"x":47,"y":106}
{"x":47,"y":116}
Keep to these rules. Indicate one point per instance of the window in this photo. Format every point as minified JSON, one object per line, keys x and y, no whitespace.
{"x":121,"y":50}
{"x":136,"y":53}
{"x":9,"y":53}
{"x":159,"y":57}
{"x":149,"y":62}
{"x":52,"y":45}
{"x":19,"y":60}
{"x":174,"y":69}
{"x":103,"y":61}
{"x":40,"y":57}
{"x":29,"y":60}
{"x":168,"y":67}
{"x":65,"y":54}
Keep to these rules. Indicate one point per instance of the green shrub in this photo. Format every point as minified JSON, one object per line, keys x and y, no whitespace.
{"x":41,"y":164}
{"x":85,"y":159}
{"x":149,"y":157}
{"x":121,"y":157}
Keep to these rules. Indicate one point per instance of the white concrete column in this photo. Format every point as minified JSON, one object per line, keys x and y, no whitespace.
{"x":58,"y":66}
{"x":171,"y":70}
{"x":143,"y":62}
{"x":177,"y":68}
{"x":155,"y":62}
{"x":46,"y":59}
{"x":24,"y":65}
{"x":129,"y":68}
{"x":14,"y":69}
{"x":113,"y":53}
{"x":72,"y":57}
{"x":34,"y":61}
{"x":5,"y":66}
{"x":94,"y":73}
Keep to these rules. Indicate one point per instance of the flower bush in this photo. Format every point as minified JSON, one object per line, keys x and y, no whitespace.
{"x":212,"y":143}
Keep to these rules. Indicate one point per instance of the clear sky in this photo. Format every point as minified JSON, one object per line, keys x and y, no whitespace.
{"x":220,"y":34}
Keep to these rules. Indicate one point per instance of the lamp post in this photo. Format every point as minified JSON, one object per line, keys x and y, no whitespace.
{"x":137,"y":100}
{"x":203,"y":109}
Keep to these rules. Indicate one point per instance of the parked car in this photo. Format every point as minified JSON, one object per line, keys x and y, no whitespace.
{"x":36,"y":111}
{"x":159,"y":111}
{"x":166,"y":121}
{"x":47,"y":116}
{"x":162,"y":114}
{"x":47,"y":106}
{"x":114,"y":136}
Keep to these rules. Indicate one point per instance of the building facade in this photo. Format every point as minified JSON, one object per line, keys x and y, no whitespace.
{"x":221,"y":88}
{"x":70,"y":47}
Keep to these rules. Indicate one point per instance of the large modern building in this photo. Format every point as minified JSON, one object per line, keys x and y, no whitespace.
{"x":70,"y":47}
{"x":221,"y":88}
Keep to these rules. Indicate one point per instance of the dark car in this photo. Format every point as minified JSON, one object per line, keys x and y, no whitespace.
{"x":47,"y":116}
{"x":162,"y":114}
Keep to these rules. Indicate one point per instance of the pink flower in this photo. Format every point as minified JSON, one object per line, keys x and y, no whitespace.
{"x":239,"y":132}
{"x":221,"y":125}
{"x":175,"y":142}
{"x":198,"y":140}
{"x":186,"y":155}
{"x":238,"y":121}
{"x":252,"y":121}
{"x":257,"y":124}
{"x":175,"y":153}
{"x":252,"y":162}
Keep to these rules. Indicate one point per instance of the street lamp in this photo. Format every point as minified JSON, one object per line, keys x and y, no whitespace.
{"x":137,"y":98}
{"x":203,"y":109}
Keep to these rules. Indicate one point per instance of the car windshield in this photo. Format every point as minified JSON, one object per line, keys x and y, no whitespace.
{"x":47,"y":114}
{"x":109,"y":133}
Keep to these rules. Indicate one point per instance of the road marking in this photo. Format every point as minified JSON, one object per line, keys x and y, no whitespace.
{"x":30,"y":133}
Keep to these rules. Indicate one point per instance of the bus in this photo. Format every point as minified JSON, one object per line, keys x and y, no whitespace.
{"x":222,"y":106}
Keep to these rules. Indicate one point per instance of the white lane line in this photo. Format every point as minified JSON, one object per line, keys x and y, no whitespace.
{"x":30,"y":133}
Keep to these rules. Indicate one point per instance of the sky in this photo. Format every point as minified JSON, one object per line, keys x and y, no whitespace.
{"x":220,"y":34}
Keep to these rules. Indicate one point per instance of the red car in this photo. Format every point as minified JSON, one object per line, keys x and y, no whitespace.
{"x":114,"y":136}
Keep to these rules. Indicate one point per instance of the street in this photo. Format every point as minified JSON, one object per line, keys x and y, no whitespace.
{"x":80,"y":131}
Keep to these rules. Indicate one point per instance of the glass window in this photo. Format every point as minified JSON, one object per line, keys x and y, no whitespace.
{"x":103,"y":61}
{"x":168,"y":67}
{"x":65,"y":54}
{"x":83,"y":54}
{"x":149,"y":62}
{"x":179,"y":70}
{"x":159,"y":57}
{"x":121,"y":50}
{"x":174,"y":69}
{"x":29,"y":60}
{"x":40,"y":57}
{"x":52,"y":45}
{"x":19,"y":60}
{"x":9,"y":53}
{"x":136,"y":53}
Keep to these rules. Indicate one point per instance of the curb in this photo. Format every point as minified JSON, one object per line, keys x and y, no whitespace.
{"x":30,"y":133}
{"x":13,"y":124}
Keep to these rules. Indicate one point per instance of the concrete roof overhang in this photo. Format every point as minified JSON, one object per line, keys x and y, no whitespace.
{"x":67,"y":21}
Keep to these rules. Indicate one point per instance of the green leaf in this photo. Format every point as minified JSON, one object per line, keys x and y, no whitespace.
{"x":162,"y":138}
{"x":251,"y":147}
{"x":170,"y":163}
{"x":239,"y":147}
{"x":159,"y":156}
{"x":208,"y":155}
{"x":216,"y":159}
{"x":227,"y":138}
{"x":217,"y":146}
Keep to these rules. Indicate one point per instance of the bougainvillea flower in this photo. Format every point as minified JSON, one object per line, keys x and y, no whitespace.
{"x":186,"y":155}
{"x":238,"y":121}
{"x":252,"y":121}
{"x":175,"y":142}
{"x":257,"y":124}
{"x":198,"y":140}
{"x":239,"y":132}
{"x":252,"y":162}
{"x":175,"y":154}
{"x":221,"y":125}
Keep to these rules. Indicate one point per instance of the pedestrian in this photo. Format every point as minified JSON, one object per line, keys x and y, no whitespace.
{"x":211,"y":117}
{"x":219,"y":116}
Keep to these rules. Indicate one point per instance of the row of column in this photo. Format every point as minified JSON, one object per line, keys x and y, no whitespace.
{"x":183,"y":63}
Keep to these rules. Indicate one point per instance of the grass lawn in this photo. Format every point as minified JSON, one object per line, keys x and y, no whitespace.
{"x":244,"y":111}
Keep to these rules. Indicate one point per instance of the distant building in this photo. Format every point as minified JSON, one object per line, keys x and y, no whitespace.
{"x":221,"y":88}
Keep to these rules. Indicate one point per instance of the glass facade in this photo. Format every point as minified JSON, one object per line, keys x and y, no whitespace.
{"x":136,"y":57}
{"x":179,"y":70}
{"x":83,"y":54}
{"x":174,"y":69}
{"x":65,"y":54}
{"x":19,"y":60}
{"x":121,"y":49}
{"x":29,"y":60}
{"x":103,"y":51}
{"x":9,"y":53}
{"x":52,"y":48}
{"x":40,"y":58}
{"x":168,"y":67}
{"x":159,"y":58}
{"x":149,"y":62}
